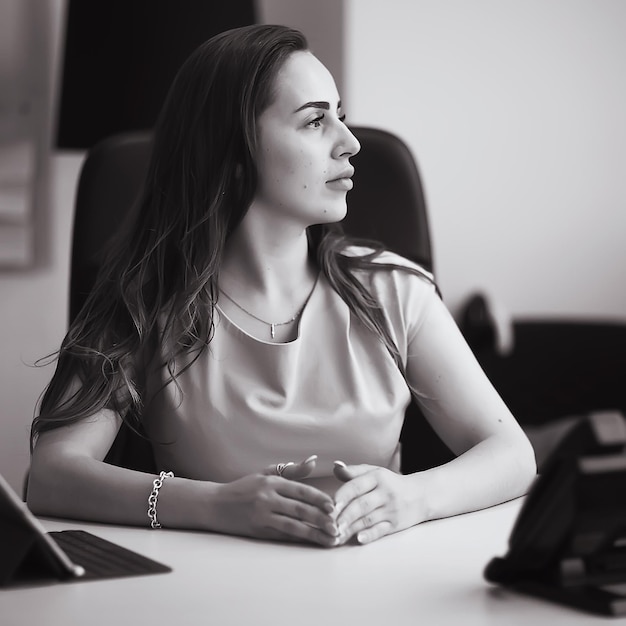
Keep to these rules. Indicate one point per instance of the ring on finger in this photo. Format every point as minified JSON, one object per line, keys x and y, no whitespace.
{"x":280,"y":468}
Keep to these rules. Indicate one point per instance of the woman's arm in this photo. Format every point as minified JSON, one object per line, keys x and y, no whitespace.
{"x":495,"y":460}
{"x":68,"y":478}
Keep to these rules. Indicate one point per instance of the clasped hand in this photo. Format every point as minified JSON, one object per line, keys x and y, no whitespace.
{"x":372,"y":502}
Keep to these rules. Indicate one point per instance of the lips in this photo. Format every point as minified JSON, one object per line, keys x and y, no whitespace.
{"x":346,"y":174}
{"x":340,"y":184}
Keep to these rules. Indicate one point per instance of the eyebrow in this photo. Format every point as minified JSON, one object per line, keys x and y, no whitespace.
{"x":318,"y":104}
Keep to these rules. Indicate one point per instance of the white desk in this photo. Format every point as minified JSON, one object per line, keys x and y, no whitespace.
{"x":429,"y":575}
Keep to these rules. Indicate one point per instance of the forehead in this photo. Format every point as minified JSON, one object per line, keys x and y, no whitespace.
{"x":303,"y":78}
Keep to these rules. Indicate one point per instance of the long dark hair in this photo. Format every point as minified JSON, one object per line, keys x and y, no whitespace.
{"x":158,"y":287}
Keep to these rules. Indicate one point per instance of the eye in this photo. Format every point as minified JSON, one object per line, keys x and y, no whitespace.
{"x":317,"y":122}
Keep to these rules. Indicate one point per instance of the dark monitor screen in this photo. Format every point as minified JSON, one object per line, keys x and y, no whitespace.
{"x":120,"y":57}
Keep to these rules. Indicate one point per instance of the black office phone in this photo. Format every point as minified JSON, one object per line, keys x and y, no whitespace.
{"x":568,"y":543}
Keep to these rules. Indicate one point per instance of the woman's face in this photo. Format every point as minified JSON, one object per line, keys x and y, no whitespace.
{"x":304,"y":147}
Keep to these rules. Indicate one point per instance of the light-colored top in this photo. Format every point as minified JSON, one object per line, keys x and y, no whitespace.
{"x":334,"y":391}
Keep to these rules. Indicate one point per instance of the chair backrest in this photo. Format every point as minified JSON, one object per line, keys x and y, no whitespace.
{"x":386,"y":204}
{"x":108,"y":185}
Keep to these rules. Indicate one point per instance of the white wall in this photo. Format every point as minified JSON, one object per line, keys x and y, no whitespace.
{"x":322,"y":23}
{"x":33,"y":314}
{"x":515,"y":110}
{"x":33,"y":302}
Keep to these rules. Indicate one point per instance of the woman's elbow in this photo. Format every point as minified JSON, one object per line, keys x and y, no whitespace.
{"x":38,"y":489}
{"x":45,"y":493}
{"x":524,"y":463}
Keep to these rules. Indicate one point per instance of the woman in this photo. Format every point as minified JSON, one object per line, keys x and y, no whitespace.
{"x":254,"y":343}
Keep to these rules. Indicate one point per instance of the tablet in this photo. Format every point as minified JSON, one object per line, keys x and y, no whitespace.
{"x":30,"y":553}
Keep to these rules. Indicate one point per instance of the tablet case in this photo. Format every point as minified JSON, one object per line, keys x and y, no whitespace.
{"x":29,"y":554}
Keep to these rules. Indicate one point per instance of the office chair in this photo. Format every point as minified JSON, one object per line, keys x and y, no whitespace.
{"x":387,"y":204}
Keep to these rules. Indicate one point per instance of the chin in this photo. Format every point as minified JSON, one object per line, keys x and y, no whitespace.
{"x":334,"y":214}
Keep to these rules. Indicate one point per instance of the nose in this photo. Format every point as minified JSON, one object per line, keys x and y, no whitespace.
{"x":347,"y":144}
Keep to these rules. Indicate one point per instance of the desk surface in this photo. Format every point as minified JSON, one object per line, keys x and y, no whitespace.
{"x":431,"y":574}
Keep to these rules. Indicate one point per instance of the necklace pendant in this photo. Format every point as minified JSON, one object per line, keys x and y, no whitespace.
{"x":272,"y":329}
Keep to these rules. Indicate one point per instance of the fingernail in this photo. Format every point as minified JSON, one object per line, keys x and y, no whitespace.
{"x":312,"y":458}
{"x":340,"y":464}
{"x":362,"y":537}
{"x":329,"y":507}
{"x":331,"y":529}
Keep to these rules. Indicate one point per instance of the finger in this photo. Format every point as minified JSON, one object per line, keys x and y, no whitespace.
{"x":277,"y":469}
{"x":304,"y":515}
{"x":287,"y":528}
{"x":355,"y":487}
{"x":374,"y":532}
{"x":304,"y":512}
{"x":347,"y":472}
{"x":296,"y":471}
{"x":360,"y":507}
{"x":363,"y":524}
{"x":291,"y":470}
{"x":307,"y":494}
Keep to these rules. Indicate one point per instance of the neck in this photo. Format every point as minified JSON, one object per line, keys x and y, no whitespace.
{"x":267,"y":279}
{"x":266,"y":262}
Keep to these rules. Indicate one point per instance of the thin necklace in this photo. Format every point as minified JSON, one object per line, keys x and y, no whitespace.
{"x":273,"y":325}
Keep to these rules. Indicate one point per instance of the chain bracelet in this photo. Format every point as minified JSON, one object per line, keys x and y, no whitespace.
{"x":157,"y":483}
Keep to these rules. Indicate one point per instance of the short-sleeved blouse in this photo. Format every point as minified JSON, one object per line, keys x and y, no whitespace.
{"x":334,"y":391}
